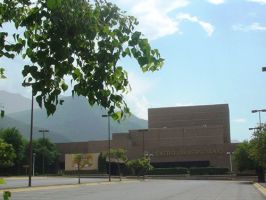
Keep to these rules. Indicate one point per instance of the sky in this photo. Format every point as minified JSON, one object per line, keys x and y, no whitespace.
{"x":213,"y":49}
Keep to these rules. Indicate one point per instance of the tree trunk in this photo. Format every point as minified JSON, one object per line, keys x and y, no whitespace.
{"x":79,"y":174}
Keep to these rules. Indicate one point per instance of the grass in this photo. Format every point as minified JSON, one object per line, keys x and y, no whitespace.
{"x":2,"y":181}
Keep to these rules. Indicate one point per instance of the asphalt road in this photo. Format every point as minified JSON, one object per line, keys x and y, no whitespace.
{"x":148,"y":190}
{"x":18,"y":182}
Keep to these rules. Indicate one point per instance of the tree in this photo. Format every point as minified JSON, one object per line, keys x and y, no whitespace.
{"x":257,"y":152}
{"x":140,"y":166}
{"x":78,"y":162}
{"x":242,"y":157}
{"x":13,"y":136}
{"x":82,"y":160}
{"x":46,"y":154}
{"x":7,"y":154}
{"x":118,"y":156}
{"x":80,"y":39}
{"x":251,"y":155}
{"x":102,"y":162}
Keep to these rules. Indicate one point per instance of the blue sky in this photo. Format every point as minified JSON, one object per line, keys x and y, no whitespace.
{"x":214,"y":51}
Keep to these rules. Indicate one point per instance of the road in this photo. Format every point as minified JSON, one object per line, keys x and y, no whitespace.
{"x":18,"y":182}
{"x":148,"y":190}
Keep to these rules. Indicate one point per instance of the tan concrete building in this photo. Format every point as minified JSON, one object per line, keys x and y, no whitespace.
{"x":176,"y":136}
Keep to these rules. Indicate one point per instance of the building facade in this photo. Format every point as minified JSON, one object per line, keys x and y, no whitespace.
{"x":176,"y":137}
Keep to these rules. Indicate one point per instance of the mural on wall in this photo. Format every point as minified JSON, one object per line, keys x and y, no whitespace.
{"x":89,"y":161}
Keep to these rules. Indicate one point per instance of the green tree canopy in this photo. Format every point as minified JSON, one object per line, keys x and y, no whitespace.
{"x":7,"y":154}
{"x":258,"y":147}
{"x":139,"y":166}
{"x":80,"y":39}
{"x":44,"y":149}
{"x":13,"y":136}
{"x":242,"y":157}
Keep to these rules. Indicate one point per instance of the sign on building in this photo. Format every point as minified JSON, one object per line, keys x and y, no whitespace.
{"x":88,"y":160}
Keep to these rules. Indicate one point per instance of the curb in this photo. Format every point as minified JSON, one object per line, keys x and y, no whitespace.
{"x":261,"y":188}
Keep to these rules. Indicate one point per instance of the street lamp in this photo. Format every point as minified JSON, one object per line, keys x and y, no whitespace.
{"x":31,"y":129}
{"x":255,"y":128}
{"x":230,"y":159}
{"x":259,"y":111}
{"x":109,"y":146}
{"x":43,"y":131}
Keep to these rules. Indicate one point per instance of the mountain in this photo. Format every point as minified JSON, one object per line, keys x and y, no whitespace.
{"x":24,"y":129}
{"x":13,"y":102}
{"x":76,"y":121}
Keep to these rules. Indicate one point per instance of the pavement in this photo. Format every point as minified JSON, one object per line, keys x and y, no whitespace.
{"x":143,"y":190}
{"x":22,"y":182}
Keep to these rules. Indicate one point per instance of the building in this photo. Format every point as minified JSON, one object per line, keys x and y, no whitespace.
{"x":176,"y":136}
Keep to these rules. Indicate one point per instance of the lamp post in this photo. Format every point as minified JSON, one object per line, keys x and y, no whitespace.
{"x":259,"y":111}
{"x":230,"y":159}
{"x":43,"y":131}
{"x":255,"y":128}
{"x":109,"y":147}
{"x":31,"y":129}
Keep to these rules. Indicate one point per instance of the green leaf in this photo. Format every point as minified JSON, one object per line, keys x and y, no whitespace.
{"x":64,"y":86}
{"x":2,"y":113}
{"x":52,"y":4}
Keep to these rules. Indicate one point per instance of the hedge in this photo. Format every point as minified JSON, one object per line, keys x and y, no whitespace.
{"x":208,"y":171}
{"x":168,"y":171}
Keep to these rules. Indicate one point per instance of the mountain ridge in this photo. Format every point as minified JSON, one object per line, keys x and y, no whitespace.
{"x":74,"y":121}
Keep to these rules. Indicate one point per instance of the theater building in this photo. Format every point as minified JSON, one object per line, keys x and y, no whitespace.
{"x":176,"y":136}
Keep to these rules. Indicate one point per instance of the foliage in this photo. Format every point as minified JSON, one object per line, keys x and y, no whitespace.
{"x":208,"y":171}
{"x":7,"y":154}
{"x":80,"y":39}
{"x":168,"y":171}
{"x":13,"y":136}
{"x":2,"y":114}
{"x":44,"y":149}
{"x":2,"y":73}
{"x":81,"y":160}
{"x":2,"y":181}
{"x":6,"y":195}
{"x":102,"y":162}
{"x":118,"y":156}
{"x":242,"y":157}
{"x":258,"y":147}
{"x":140,"y":166}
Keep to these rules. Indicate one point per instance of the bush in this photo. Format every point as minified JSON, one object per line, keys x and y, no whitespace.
{"x":208,"y":171}
{"x":168,"y":171}
{"x":139,"y":167}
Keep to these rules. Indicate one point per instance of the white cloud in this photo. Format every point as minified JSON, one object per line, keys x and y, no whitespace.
{"x":252,"y":27}
{"x":216,"y":2}
{"x":181,"y":104}
{"x":263,"y":2}
{"x":154,"y":16}
{"x":136,"y":98}
{"x":209,"y":28}
{"x":240,"y":120}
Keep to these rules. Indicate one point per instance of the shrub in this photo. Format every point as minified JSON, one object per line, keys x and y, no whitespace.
{"x":208,"y":171}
